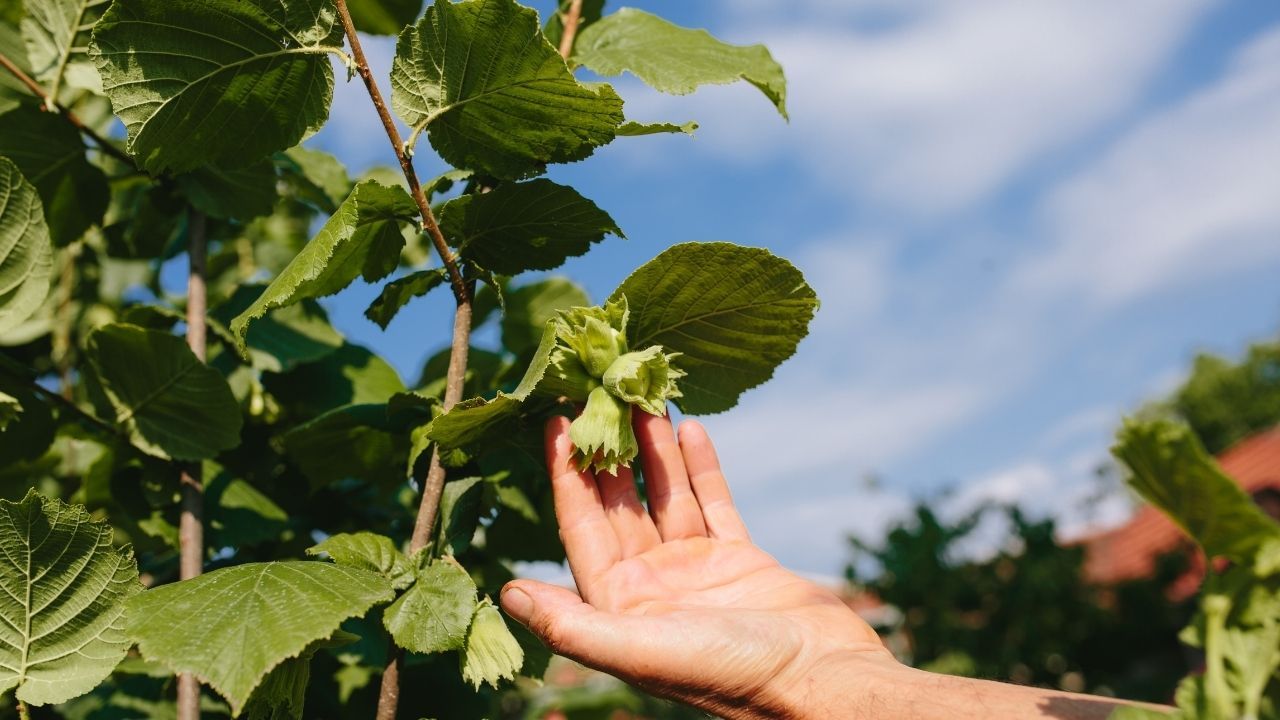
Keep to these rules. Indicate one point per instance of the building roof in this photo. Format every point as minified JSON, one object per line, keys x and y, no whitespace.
{"x":1130,"y":551}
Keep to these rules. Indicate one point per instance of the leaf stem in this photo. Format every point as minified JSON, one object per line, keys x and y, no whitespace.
{"x":51,"y":105}
{"x":570,"y":21}
{"x":433,"y":485}
{"x":191,"y":521}
{"x":23,"y":712}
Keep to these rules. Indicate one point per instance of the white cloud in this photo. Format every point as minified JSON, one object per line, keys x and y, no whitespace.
{"x":940,"y":108}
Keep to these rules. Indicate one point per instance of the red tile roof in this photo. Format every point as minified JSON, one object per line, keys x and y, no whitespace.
{"x":1131,"y":550}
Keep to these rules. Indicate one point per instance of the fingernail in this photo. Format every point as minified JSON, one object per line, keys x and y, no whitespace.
{"x":517,"y":603}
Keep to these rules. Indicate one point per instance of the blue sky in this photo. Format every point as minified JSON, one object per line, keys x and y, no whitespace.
{"x":1022,"y":220}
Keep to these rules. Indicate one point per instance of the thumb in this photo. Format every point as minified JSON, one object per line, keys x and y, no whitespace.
{"x":566,"y":624}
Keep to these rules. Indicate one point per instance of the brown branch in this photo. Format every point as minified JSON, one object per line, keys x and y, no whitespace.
{"x":191,"y":521}
{"x":570,"y":23}
{"x":433,"y":485}
{"x":51,"y":104}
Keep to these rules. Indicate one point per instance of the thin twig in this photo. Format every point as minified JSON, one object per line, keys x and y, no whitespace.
{"x":191,"y":521}
{"x":433,"y":485}
{"x":570,"y":21}
{"x":90,"y":421}
{"x":51,"y":104}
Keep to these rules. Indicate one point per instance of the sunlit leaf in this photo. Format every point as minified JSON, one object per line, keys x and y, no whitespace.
{"x":631,"y":129}
{"x":368,"y":551}
{"x":63,"y":608}
{"x":57,"y":38}
{"x":433,"y":615}
{"x":492,"y":653}
{"x":492,"y":94}
{"x":26,"y":258}
{"x":734,"y":313}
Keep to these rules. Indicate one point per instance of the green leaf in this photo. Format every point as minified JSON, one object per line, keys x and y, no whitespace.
{"x":321,"y":179}
{"x":734,"y":313}
{"x":10,"y":409}
{"x":459,"y":514}
{"x":171,"y":404}
{"x":13,"y":92}
{"x":396,"y":294}
{"x":65,"y":588}
{"x":28,"y":434}
{"x":384,"y":17}
{"x":51,"y":154}
{"x":230,"y":627}
{"x":26,"y":258}
{"x":241,"y":193}
{"x":362,"y":238}
{"x":529,"y":307}
{"x":347,"y":442}
{"x":673,"y":59}
{"x":631,"y":129}
{"x":554,"y":29}
{"x":434,"y":614}
{"x":534,"y":225}
{"x":1170,"y":469}
{"x":57,"y":36}
{"x":492,"y":653}
{"x":1132,"y":712}
{"x":216,"y":82}
{"x":351,"y":375}
{"x":492,"y":94}
{"x":368,"y":551}
{"x":286,"y":338}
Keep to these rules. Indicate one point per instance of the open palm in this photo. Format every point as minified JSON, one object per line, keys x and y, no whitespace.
{"x":675,"y":597}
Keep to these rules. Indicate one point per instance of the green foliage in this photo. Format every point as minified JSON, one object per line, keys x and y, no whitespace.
{"x":434,"y":614}
{"x":673,"y":59}
{"x":64,"y":601}
{"x":533,"y":225}
{"x":368,"y":551}
{"x":492,"y":653}
{"x":232,"y":626}
{"x":26,"y":259}
{"x":57,"y":37}
{"x":496,"y":97}
{"x":396,"y":294}
{"x":733,"y":313}
{"x":384,"y":17}
{"x":190,"y":98}
{"x":1225,"y":401}
{"x":170,"y":404}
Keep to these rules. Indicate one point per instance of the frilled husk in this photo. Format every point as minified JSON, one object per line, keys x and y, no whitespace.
{"x":596,"y":334}
{"x":644,"y":378}
{"x":602,"y":435}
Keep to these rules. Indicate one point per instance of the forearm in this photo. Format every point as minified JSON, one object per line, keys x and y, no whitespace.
{"x":866,"y":688}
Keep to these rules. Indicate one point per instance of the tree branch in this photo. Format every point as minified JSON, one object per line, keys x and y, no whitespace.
{"x":433,"y":485}
{"x":90,"y":421}
{"x":570,"y":22}
{"x":51,"y":105}
{"x":191,"y":521}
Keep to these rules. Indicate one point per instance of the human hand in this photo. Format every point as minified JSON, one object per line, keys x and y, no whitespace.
{"x":677,"y":599}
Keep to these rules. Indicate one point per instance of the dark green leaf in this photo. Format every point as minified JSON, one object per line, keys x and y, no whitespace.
{"x":216,"y":82}
{"x":65,"y":592}
{"x":1171,"y":470}
{"x":320,"y":178}
{"x":459,"y":514}
{"x":51,"y":154}
{"x":258,"y":614}
{"x":734,"y":313}
{"x":673,"y":59}
{"x":529,"y":307}
{"x":240,"y":515}
{"x":347,"y":442}
{"x":286,"y":338}
{"x":396,"y":294}
{"x":362,"y":238}
{"x":350,"y":375}
{"x":171,"y":404}
{"x":241,"y":193}
{"x":631,"y":129}
{"x":533,"y":225}
{"x":434,"y":614}
{"x":384,"y":17}
{"x":496,"y":97}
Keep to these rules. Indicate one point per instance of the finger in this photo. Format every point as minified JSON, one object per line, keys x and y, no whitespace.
{"x":633,"y":526}
{"x":709,"y":485}
{"x":569,"y":626}
{"x":671,"y":502}
{"x":589,"y":539}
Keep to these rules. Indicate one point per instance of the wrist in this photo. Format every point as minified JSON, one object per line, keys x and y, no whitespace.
{"x":843,"y":684}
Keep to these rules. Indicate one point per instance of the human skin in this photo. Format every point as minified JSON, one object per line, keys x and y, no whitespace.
{"x":677,"y":600}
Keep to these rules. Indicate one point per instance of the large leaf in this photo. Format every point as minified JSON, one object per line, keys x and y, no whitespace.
{"x":362,"y":238}
{"x":26,"y":258}
{"x":57,"y":38}
{"x":51,"y":154}
{"x":171,"y":404}
{"x":320,"y":178}
{"x":230,"y":627}
{"x":396,"y":294}
{"x":287,"y":337}
{"x":673,"y":59}
{"x":240,"y":193}
{"x":63,"y":599}
{"x":384,"y":17}
{"x":491,"y":92}
{"x":347,"y":442}
{"x":735,"y":313}
{"x":1171,"y":470}
{"x":533,"y":225}
{"x":221,"y":82}
{"x":350,"y":375}
{"x":529,"y":307}
{"x":434,"y":614}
